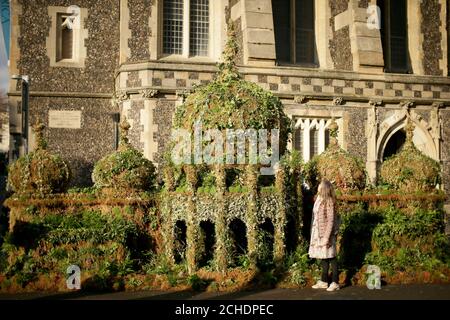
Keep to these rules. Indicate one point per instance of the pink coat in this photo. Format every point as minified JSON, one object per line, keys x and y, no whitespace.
{"x":323,"y":230}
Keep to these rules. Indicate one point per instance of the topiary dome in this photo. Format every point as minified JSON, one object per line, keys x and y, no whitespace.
{"x":345,"y":171}
{"x":39,"y":172}
{"x":410,"y":170}
{"x":229,"y":102}
{"x":124,"y":169}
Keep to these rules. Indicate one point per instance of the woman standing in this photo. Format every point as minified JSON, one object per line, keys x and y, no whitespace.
{"x":323,"y":235}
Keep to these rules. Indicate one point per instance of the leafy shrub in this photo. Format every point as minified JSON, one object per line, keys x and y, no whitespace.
{"x":410,"y":170}
{"x":126,"y":169}
{"x":39,"y":173}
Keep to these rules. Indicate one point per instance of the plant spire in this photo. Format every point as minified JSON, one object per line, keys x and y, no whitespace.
{"x":124,"y":127}
{"x":38,"y":129}
{"x":227,"y":68}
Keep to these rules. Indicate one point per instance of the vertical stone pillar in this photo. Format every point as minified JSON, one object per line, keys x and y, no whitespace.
{"x":257,"y":32}
{"x":306,"y":140}
{"x":372,"y":136}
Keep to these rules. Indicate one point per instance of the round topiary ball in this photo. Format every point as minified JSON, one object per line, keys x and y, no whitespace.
{"x":39,"y":172}
{"x":344,"y":170}
{"x":410,"y":170}
{"x":124,"y":169}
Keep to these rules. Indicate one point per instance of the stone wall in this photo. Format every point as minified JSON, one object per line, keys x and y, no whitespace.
{"x":87,"y":89}
{"x":445,"y":149}
{"x":140,"y":11}
{"x":133,"y":114}
{"x":355,"y":134}
{"x":340,"y":48}
{"x":80,"y":147}
{"x":162,"y":116}
{"x":430,"y":27}
{"x":102,"y":47}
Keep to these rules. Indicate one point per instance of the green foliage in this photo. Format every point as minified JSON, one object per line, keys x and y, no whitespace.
{"x":196,"y":283}
{"x":84,"y":190}
{"x":292,"y":160}
{"x":410,"y":170}
{"x":109,"y":246}
{"x":265,"y":240}
{"x":238,"y":189}
{"x":344,"y":170}
{"x":410,"y":242}
{"x":126,"y":169}
{"x":39,"y":173}
{"x":298,"y":265}
{"x":229,"y":102}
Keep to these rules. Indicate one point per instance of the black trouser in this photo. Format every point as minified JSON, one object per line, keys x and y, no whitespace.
{"x":334,"y":269}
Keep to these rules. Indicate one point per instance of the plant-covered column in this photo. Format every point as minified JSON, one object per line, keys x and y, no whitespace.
{"x":192,"y":232}
{"x":295,"y":192}
{"x":298,"y":202}
{"x":280,"y":220}
{"x":221,"y":221}
{"x":251,"y":175}
{"x":166,"y":214}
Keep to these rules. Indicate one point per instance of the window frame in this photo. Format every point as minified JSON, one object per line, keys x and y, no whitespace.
{"x":185,"y":55}
{"x":79,"y":36}
{"x":59,"y":39}
{"x":319,"y":124}
{"x":386,"y":36}
{"x":293,"y":46}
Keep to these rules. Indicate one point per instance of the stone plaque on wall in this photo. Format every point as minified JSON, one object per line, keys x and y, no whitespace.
{"x":64,"y":119}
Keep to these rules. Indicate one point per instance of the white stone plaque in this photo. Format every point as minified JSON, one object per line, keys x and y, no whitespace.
{"x":64,"y":119}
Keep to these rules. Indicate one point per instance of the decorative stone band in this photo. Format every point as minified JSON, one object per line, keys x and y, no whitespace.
{"x":303,"y":83}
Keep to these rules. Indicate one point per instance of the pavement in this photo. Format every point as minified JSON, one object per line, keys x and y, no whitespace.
{"x":388,"y":292}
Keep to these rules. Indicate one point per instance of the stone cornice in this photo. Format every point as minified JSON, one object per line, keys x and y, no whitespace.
{"x":289,"y":71}
{"x":58,"y":94}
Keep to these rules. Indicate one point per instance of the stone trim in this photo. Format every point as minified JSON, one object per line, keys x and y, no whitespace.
{"x":354,"y":85}
{"x":306,"y":123}
{"x":432,"y":38}
{"x":290,"y":71}
{"x":443,"y":62}
{"x":62,"y":94}
{"x":15,"y":56}
{"x":415,"y":37}
{"x":125,"y":32}
{"x":80,"y":35}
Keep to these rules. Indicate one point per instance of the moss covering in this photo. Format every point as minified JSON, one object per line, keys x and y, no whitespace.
{"x":126,"y":169}
{"x":344,"y":170}
{"x":410,"y":170}
{"x":39,"y":172}
{"x":106,"y":247}
{"x":229,"y":102}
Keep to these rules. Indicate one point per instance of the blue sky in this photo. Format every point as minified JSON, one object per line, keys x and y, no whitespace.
{"x":4,"y":16}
